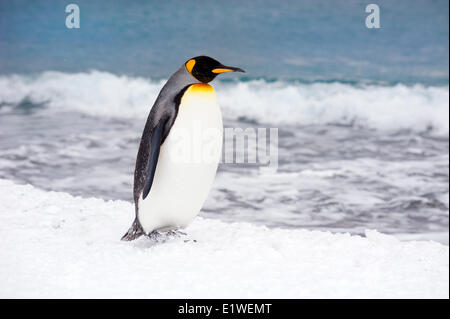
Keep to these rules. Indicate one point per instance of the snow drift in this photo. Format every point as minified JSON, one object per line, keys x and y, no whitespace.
{"x":57,"y":245}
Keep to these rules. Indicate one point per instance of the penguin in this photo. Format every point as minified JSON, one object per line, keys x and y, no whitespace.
{"x":172,"y":178}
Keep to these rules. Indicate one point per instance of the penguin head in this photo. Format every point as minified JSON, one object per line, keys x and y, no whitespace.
{"x":205,"y":69}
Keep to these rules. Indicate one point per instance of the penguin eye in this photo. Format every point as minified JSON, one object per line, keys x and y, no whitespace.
{"x":190,"y":65}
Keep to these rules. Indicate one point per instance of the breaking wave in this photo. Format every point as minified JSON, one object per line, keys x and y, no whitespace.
{"x":417,"y":107}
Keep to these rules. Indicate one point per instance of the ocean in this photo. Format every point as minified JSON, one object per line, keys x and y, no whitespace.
{"x":362,"y":114}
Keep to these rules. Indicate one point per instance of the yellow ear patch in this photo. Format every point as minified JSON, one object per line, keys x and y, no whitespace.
{"x":190,"y":65}
{"x":221,"y":70}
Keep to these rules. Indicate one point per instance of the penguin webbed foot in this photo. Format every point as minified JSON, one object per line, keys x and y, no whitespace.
{"x":158,"y":237}
{"x":176,"y":233}
{"x":154,"y":235}
{"x":134,"y":232}
{"x":179,"y":233}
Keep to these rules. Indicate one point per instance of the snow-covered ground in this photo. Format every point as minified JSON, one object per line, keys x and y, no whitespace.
{"x":57,"y":245}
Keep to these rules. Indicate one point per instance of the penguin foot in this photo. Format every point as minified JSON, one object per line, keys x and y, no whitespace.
{"x":158,"y":237}
{"x":178,"y":234}
{"x":134,"y":232}
{"x":175,"y":233}
{"x":155,"y":236}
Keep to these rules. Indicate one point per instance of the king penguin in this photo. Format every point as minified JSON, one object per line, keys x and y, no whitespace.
{"x":172,"y":178}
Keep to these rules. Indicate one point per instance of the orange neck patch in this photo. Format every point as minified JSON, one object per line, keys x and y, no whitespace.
{"x":201,"y":88}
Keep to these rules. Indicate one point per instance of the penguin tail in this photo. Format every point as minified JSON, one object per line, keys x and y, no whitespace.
{"x":134,"y":232}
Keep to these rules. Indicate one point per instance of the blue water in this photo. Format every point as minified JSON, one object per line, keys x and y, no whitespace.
{"x":300,"y":40}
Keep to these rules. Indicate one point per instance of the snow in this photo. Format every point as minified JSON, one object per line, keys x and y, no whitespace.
{"x":57,"y":245}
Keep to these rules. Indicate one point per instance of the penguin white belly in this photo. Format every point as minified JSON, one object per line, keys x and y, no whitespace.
{"x":187,"y":163}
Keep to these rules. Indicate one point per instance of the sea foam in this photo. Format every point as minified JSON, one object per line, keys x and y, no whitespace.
{"x":417,"y":108}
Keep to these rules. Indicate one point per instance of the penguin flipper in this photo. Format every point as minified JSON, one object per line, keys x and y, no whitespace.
{"x":134,"y":232}
{"x":156,"y":141}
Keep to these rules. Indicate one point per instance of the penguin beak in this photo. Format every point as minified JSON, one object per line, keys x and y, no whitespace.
{"x":224,"y":69}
